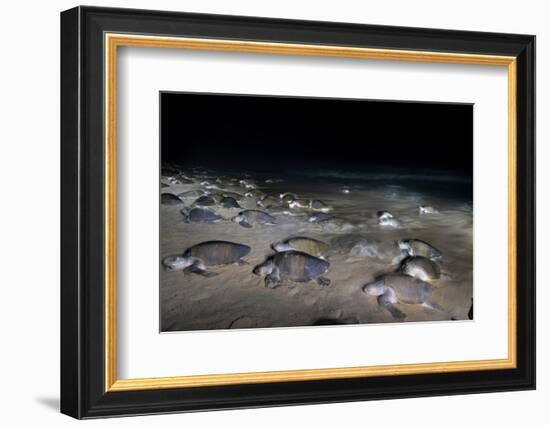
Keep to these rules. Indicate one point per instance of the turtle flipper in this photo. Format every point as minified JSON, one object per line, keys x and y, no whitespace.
{"x":432,"y":305}
{"x":245,"y":224}
{"x":272,"y":280}
{"x":198,"y":268}
{"x":323,"y":281}
{"x":387,"y":301}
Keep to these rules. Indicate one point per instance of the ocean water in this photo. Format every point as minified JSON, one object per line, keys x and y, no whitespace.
{"x":237,"y":298}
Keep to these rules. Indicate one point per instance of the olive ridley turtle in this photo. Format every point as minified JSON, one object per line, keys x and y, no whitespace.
{"x":293,"y":266}
{"x":207,"y":254}
{"x":394,"y":288}
{"x":421,"y":267}
{"x":303,"y":244}
{"x":170,"y":199}
{"x":201,"y":215}
{"x":416,"y":247}
{"x":248,"y":218}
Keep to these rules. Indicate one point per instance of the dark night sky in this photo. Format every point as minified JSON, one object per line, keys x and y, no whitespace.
{"x":275,"y":133}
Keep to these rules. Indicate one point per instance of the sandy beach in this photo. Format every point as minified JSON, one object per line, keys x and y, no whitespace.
{"x":237,"y":298}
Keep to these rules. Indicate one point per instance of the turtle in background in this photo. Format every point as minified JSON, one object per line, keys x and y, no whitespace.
{"x":201,"y":215}
{"x":303,"y":244}
{"x":417,"y":247}
{"x":248,"y":218}
{"x":170,"y":199}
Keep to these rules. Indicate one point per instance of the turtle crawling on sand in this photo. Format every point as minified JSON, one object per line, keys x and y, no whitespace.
{"x":293,"y":266}
{"x":287,"y":197}
{"x":229,"y":202}
{"x":335,"y":224}
{"x":254,"y":193}
{"x":248,"y":218}
{"x":416,"y":247}
{"x":394,"y":288}
{"x":386,"y":219}
{"x":268,"y":201}
{"x":170,"y":199}
{"x":298,"y":203}
{"x":318,"y":217}
{"x":207,"y":254}
{"x":303,"y":244}
{"x":205,"y":200}
{"x":386,"y":252}
{"x":201,"y":215}
{"x":421,"y":267}
{"x":193,"y":193}
{"x":317,"y":205}
{"x":426,"y":209}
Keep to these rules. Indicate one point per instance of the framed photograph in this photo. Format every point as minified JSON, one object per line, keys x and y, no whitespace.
{"x":261,"y":212}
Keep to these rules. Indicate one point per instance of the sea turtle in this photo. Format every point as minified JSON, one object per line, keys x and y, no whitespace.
{"x":201,"y":215}
{"x":217,"y":197}
{"x":384,"y":215}
{"x":386,"y":219}
{"x":345,"y":190}
{"x":335,"y":224}
{"x":317,"y":205}
{"x":207,"y":254}
{"x":229,"y":202}
{"x":385,"y":252}
{"x":416,"y":247}
{"x":393,"y":288}
{"x":254,"y":193}
{"x":248,"y":218}
{"x":287,"y":197}
{"x":183,"y":179}
{"x":278,"y":209}
{"x":303,"y":244}
{"x":170,"y":199}
{"x":318,"y":217}
{"x":205,"y":200}
{"x":426,"y":209}
{"x":235,"y":195}
{"x":268,"y":201}
{"x":193,"y":193}
{"x":421,"y":267}
{"x":298,"y":203}
{"x":293,"y":266}
{"x":247,"y":184}
{"x":344,"y":243}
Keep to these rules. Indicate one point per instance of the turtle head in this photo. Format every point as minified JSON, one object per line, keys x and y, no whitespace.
{"x":384,"y":215}
{"x":237,"y":219}
{"x":374,"y":288}
{"x":280,"y":246}
{"x":405,"y":246}
{"x":264,"y":268}
{"x":177,"y":262}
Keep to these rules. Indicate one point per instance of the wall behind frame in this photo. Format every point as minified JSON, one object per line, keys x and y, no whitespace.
{"x":29,"y":219}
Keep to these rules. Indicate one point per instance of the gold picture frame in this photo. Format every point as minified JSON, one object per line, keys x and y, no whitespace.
{"x":114,"y":41}
{"x":91,"y":40}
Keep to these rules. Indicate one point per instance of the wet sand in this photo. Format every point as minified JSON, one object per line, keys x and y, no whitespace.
{"x":237,"y":298}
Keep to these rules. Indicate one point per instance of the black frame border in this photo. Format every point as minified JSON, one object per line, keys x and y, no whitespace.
{"x":82,"y":212}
